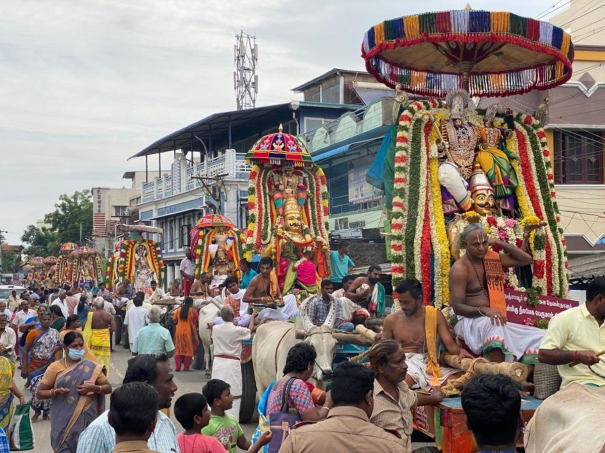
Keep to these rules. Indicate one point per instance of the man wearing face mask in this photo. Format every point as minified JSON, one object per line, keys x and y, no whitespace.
{"x":369,"y":292}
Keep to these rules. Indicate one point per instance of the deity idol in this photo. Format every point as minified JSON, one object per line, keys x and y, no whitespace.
{"x":287,"y":182}
{"x":457,"y":150}
{"x":482,"y":193}
{"x":494,"y":157}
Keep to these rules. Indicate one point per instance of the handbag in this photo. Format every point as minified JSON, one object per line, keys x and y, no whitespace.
{"x":281,"y":422}
{"x":20,"y":430}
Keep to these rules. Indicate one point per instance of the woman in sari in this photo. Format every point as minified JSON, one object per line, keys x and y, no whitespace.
{"x":186,"y":338}
{"x":73,"y":325}
{"x":57,"y":318}
{"x":41,"y":346}
{"x":8,"y":389}
{"x":77,"y":389}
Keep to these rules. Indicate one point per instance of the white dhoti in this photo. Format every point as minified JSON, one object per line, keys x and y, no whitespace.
{"x":517,"y":342}
{"x":289,"y":310}
{"x":242,"y":321}
{"x":417,"y":370}
{"x":230,"y":371}
{"x":348,"y":307}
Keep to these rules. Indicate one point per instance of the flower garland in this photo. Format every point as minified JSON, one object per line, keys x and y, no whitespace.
{"x":438,"y":238}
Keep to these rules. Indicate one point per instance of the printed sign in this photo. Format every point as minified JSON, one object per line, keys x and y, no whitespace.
{"x":359,"y":190}
{"x":519,"y":312}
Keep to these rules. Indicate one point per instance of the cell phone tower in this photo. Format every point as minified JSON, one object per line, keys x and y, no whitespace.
{"x":245,"y":80}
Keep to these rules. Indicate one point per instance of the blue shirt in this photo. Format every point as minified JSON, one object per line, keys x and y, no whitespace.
{"x":153,"y":339}
{"x":4,"y":448}
{"x":247,"y":278}
{"x":340,"y":266}
{"x":100,"y":437}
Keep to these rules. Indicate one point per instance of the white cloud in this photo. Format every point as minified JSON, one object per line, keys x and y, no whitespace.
{"x":85,"y":85}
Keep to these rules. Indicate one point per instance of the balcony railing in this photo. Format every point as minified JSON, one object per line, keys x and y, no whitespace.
{"x":230,"y":164}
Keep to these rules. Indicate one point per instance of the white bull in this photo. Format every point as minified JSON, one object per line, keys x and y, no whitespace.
{"x":273,"y":340}
{"x":206,"y":319}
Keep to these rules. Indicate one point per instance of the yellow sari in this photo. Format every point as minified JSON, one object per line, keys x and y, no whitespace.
{"x":7,"y":368}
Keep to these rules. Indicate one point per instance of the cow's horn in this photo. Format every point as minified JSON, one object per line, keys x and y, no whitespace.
{"x":304,"y":315}
{"x":331,"y":318}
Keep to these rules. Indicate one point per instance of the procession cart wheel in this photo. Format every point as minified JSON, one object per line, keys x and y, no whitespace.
{"x":246,"y":410}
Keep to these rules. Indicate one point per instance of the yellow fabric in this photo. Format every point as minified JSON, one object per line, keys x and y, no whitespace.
{"x":100,"y":345}
{"x":576,"y":329}
{"x":430,"y":332}
{"x":273,"y":284}
{"x":7,"y":368}
{"x":494,"y":274}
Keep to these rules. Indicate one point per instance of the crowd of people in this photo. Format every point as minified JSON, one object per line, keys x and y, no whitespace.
{"x":61,"y":340}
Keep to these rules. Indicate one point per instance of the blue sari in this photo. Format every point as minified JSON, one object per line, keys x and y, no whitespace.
{"x":263,"y":421}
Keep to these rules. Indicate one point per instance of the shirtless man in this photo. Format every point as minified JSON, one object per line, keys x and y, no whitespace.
{"x":408,"y":326}
{"x":102,"y":325}
{"x":372,"y":295}
{"x":483,"y":328}
{"x":264,"y":289}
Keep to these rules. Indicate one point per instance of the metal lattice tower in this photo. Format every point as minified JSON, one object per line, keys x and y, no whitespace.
{"x":245,"y":80}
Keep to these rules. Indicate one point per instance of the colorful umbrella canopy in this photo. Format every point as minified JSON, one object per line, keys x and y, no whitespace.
{"x":214,"y":220}
{"x":50,"y":260}
{"x":486,"y":53}
{"x":68,"y":247}
{"x":86,"y":250}
{"x":37,"y":261}
{"x":280,"y":149}
{"x":27,"y":267}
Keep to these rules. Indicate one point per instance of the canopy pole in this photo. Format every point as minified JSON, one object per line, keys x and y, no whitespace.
{"x":229,"y":131}
{"x":146,"y":169}
{"x":160,"y":165}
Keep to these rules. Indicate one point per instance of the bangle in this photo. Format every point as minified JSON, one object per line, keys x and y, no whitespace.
{"x":480,"y":312}
{"x":575,"y":356}
{"x":100,"y":389}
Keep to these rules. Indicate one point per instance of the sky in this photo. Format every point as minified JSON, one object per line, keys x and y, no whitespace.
{"x":84,"y":85}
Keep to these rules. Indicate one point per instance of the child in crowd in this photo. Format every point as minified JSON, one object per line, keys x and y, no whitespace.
{"x":222,"y":426}
{"x":132,"y":414}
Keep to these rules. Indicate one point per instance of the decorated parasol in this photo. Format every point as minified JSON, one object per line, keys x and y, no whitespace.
{"x":86,"y":250}
{"x":37,"y":261}
{"x":68,"y":247}
{"x":214,"y":220}
{"x":27,"y":267}
{"x":486,"y":53}
{"x":280,"y":149}
{"x":50,"y":260}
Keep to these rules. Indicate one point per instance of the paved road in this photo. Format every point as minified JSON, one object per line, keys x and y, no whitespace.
{"x":191,"y":381}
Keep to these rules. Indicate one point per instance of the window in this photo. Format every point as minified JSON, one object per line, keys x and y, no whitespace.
{"x":578,"y":157}
{"x":171,"y":237}
{"x":313,"y":123}
{"x":120,"y":211}
{"x":179,"y":230}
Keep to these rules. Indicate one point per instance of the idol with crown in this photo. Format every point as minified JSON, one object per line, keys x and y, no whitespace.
{"x":288,"y":206}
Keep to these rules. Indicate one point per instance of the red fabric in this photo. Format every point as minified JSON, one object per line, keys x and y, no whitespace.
{"x":186,"y":287}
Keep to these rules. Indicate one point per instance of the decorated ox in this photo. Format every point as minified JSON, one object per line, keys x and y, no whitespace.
{"x":273,"y":340}
{"x":206,"y":319}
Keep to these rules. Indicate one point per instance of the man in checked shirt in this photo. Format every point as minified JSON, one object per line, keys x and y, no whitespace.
{"x":322,"y":303}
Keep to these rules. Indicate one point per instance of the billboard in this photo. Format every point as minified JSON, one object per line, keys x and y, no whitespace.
{"x":359,"y":190}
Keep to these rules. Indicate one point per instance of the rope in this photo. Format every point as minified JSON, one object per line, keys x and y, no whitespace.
{"x":360,"y":357}
{"x":454,"y":386}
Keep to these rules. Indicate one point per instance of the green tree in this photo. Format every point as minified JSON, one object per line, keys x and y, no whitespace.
{"x":72,"y":218}
{"x":41,"y":242}
{"x":11,"y":262}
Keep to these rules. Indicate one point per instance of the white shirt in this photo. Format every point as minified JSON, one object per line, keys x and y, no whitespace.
{"x":136,"y":319}
{"x":8,"y":313}
{"x":109,"y":308}
{"x":187,"y":266}
{"x":8,"y":338}
{"x":63,"y":306}
{"x":20,"y":319}
{"x":227,"y":339}
{"x":158,"y":294}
